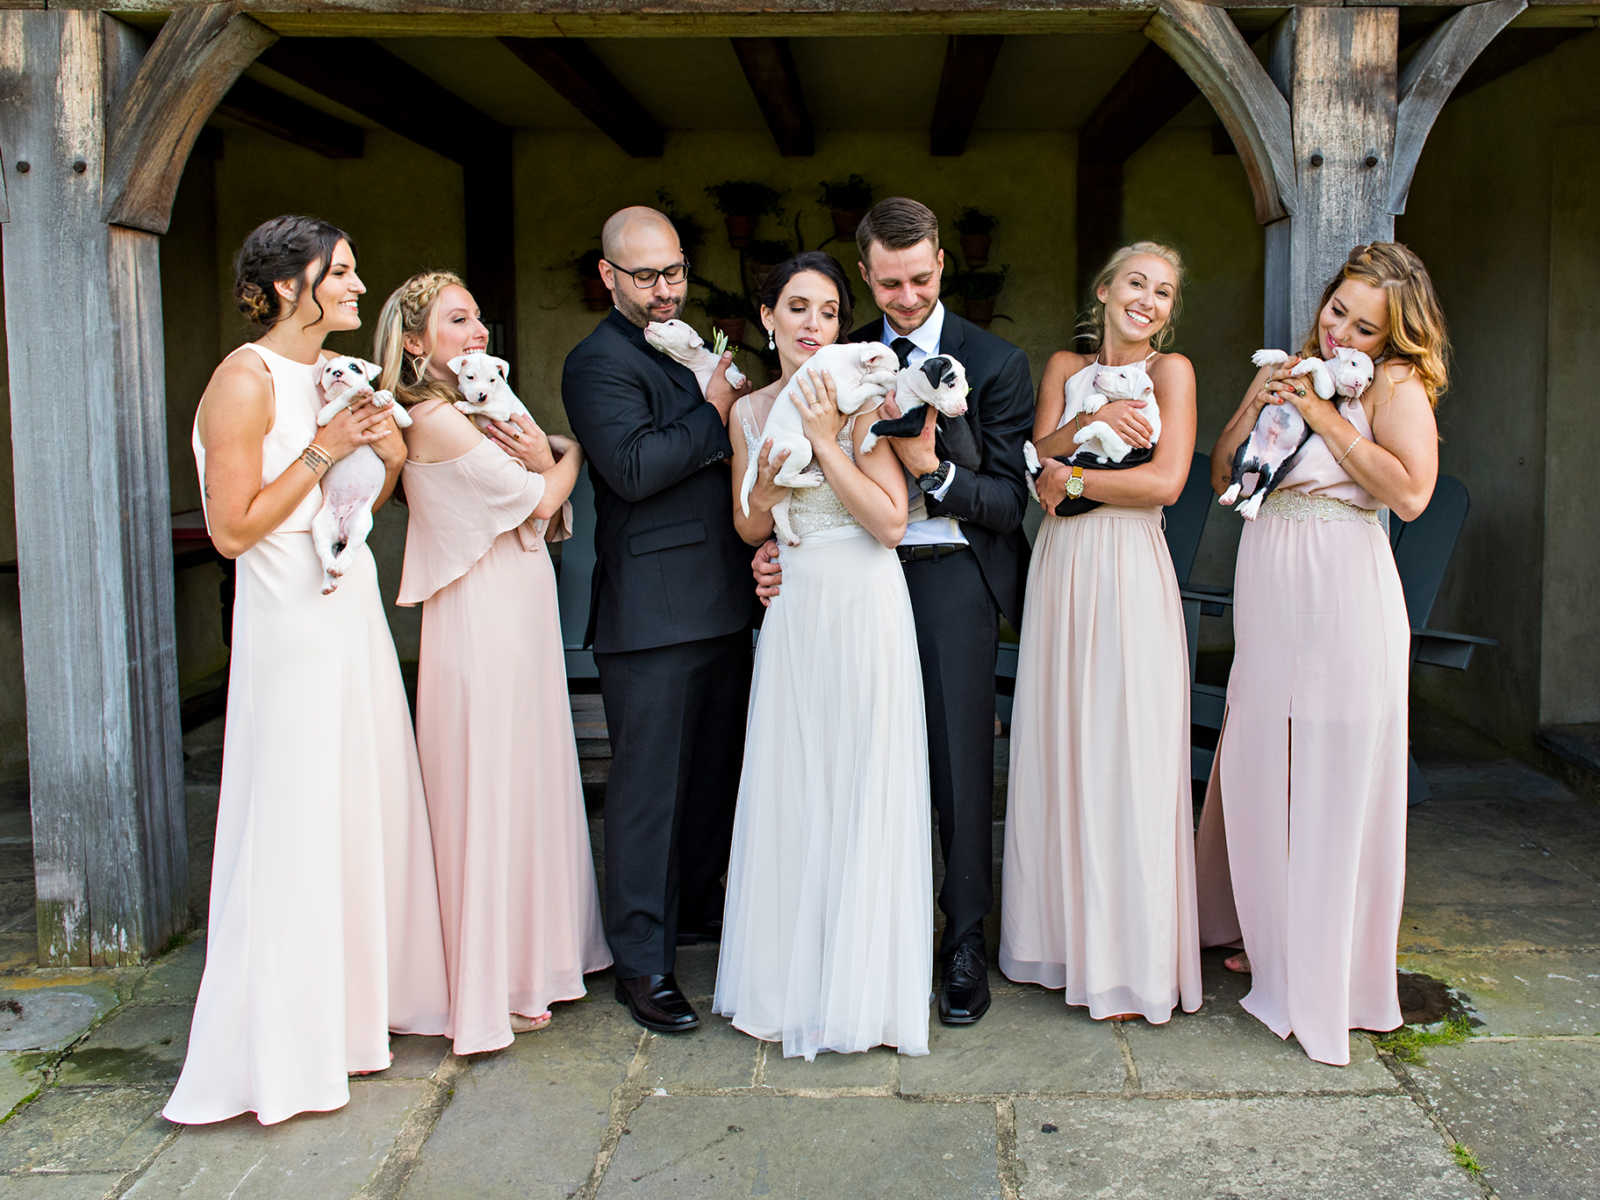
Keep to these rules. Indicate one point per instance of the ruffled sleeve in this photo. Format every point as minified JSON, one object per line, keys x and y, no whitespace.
{"x":458,"y":508}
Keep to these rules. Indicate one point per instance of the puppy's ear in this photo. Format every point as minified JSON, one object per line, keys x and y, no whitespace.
{"x":500,"y":365}
{"x":370,"y":369}
{"x":455,"y":364}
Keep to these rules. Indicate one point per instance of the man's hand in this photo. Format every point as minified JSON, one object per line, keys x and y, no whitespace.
{"x":721,"y":394}
{"x":917,"y":454}
{"x":768,"y":571}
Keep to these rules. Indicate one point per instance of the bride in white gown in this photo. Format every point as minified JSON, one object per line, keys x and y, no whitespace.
{"x":827,"y":932}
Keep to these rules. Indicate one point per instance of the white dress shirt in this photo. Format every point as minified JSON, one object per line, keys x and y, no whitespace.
{"x":921,"y":529}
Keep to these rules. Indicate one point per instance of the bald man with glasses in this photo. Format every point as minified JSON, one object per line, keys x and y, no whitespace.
{"x":670,"y":616}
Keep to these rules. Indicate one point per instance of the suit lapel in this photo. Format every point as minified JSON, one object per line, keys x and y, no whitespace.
{"x":680,"y":376}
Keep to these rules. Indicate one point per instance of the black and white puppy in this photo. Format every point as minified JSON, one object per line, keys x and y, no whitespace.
{"x":1280,"y":432}
{"x":350,"y":486}
{"x":938,"y":380}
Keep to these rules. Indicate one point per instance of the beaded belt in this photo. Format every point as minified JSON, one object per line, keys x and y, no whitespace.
{"x":1297,"y":506}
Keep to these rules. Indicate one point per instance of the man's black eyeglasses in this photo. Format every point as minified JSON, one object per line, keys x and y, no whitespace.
{"x":646,"y":277}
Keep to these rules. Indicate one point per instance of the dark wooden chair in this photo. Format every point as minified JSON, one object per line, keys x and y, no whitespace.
{"x":1422,"y":550}
{"x":572,"y":585}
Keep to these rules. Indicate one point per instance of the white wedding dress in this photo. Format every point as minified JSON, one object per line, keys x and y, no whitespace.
{"x":827,"y":934}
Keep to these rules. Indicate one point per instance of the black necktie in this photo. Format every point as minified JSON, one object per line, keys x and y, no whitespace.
{"x":902,"y":347}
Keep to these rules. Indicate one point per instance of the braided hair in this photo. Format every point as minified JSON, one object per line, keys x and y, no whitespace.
{"x":278,"y":250}
{"x":409,"y":312}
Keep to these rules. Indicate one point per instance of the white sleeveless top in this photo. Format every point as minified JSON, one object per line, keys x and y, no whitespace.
{"x":296,"y":400}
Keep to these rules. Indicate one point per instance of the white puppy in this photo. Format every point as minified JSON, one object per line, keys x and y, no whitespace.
{"x":481,"y":380}
{"x":679,"y":342}
{"x":1348,"y":373}
{"x":1127,"y":382}
{"x":350,"y":486}
{"x":862,"y":373}
{"x":939,"y":380}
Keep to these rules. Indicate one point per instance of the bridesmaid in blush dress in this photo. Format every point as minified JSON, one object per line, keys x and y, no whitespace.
{"x":494,"y":729}
{"x":1098,"y":896}
{"x":324,"y":927}
{"x":1303,"y":838}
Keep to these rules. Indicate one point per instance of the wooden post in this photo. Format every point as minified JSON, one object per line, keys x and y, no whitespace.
{"x":1342,"y":90}
{"x":83,"y":328}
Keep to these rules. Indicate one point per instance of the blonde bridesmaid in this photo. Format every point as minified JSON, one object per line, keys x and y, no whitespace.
{"x":1306,"y":808}
{"x":1098,"y":897}
{"x":510,"y":837}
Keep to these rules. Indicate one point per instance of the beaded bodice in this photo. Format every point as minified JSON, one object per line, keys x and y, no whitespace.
{"x":811,"y":510}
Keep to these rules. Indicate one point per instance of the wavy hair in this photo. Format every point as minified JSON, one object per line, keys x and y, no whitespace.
{"x":1417,"y":333}
{"x":409,"y":311}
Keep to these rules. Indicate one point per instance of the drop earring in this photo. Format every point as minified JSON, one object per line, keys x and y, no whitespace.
{"x":772,"y":342}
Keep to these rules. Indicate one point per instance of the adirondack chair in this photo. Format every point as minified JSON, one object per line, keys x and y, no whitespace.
{"x":1422,"y":550}
{"x":572,"y":586}
{"x":1183,"y":523}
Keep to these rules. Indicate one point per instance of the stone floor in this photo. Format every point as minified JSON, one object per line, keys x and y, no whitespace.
{"x":1036,"y":1101}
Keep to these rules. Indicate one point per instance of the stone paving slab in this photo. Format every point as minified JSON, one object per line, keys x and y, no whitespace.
{"x":778,"y":1146}
{"x":85,"y":1129}
{"x":58,"y":1187}
{"x":50,"y":1017}
{"x":1309,"y":1148}
{"x":139,"y":1044}
{"x":313,"y":1155}
{"x":1523,"y":994}
{"x":527,"y":1121}
{"x":714,"y":1056}
{"x":1029,"y":1041}
{"x":878,"y":1068}
{"x":1528,"y":1110}
{"x":1512,"y":865}
{"x":415,"y":1057}
{"x":1222,"y":1048}
{"x":20,"y":1076}
{"x":174,"y":978}
{"x":1473,"y":926}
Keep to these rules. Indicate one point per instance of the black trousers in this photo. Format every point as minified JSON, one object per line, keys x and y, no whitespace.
{"x":675,"y":716}
{"x":957,"y":635}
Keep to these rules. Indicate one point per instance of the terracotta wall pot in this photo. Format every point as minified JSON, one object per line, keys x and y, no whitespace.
{"x":741,"y":228}
{"x":596,"y":296}
{"x":980,"y":311}
{"x":845,"y":221}
{"x":975,"y":248}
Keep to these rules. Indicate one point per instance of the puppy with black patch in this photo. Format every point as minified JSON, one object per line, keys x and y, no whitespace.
{"x":342,"y":524}
{"x":940,"y":382}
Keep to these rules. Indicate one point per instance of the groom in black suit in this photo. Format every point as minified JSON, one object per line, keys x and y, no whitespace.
{"x":965,"y":559}
{"x":670,"y":617}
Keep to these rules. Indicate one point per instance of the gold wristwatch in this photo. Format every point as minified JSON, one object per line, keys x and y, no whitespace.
{"x":1075,"y":484}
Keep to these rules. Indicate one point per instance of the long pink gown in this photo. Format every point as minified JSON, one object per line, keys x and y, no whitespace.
{"x":324,"y":927}
{"x":1306,"y":807}
{"x":1098,"y":894}
{"x":494,"y":729}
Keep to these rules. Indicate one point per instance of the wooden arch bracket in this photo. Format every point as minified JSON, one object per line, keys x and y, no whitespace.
{"x":1430,"y":77}
{"x":1205,"y":42}
{"x":198,"y":55}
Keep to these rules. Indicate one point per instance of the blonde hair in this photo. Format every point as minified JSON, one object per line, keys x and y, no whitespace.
{"x":409,"y":312}
{"x":1417,"y":333}
{"x":1092,"y":327}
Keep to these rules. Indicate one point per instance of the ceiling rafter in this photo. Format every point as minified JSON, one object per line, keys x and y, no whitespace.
{"x":573,"y":69}
{"x":968,"y":66}
{"x":252,"y":103}
{"x":768,"y":65}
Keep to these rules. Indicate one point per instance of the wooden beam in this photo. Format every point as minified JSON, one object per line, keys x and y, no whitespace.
{"x":490,"y":193}
{"x":261,"y":107}
{"x":586,"y":83}
{"x":1432,"y":75}
{"x":1097,"y":217}
{"x":110,"y":841}
{"x":386,"y":90}
{"x":1212,"y":51}
{"x":968,"y":66}
{"x":195,"y":59}
{"x":769,"y":68}
{"x":1152,"y":91}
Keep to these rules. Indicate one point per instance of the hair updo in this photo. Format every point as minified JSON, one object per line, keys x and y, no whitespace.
{"x":809,"y":260}
{"x":409,"y":312}
{"x":281,"y":249}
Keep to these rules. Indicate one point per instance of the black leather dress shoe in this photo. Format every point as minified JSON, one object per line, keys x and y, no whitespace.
{"x":966,"y":987}
{"x":656,"y":1003}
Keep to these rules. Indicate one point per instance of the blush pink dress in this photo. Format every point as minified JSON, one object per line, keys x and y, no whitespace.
{"x":1302,"y":842}
{"x":324,"y":927}
{"x":1098,"y":895}
{"x":494,"y":729}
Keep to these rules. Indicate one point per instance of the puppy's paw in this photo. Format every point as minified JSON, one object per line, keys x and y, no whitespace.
{"x":1229,"y":496}
{"x":1265,"y":358}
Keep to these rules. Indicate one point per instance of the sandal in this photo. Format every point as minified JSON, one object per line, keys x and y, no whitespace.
{"x":1238,"y":963}
{"x":522,"y":1024}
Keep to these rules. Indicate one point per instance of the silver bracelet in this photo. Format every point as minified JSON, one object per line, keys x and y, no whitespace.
{"x":1339,"y":462}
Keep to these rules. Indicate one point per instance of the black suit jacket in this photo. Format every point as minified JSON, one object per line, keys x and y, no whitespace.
{"x":669,"y":567}
{"x":989,"y":502}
